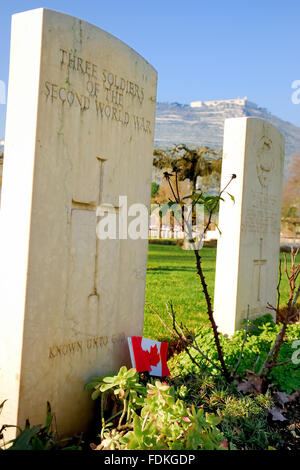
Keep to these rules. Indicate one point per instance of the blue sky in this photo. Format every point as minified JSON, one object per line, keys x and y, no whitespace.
{"x":202,"y":50}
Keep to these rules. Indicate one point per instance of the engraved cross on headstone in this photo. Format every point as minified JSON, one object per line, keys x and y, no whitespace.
{"x":85,"y":244}
{"x":259,"y":262}
{"x":100,"y":190}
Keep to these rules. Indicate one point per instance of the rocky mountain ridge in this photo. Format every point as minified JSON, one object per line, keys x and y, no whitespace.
{"x":202,"y":123}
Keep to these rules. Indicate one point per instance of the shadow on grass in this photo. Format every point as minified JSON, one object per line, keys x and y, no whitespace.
{"x":175,"y":269}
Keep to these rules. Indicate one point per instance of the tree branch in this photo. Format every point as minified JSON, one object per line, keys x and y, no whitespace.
{"x":160,"y":318}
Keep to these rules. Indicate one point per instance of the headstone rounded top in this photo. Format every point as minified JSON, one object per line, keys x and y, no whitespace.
{"x":81,"y":23}
{"x":253,"y":119}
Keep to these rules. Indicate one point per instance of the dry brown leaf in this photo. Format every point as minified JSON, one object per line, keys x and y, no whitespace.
{"x":276,"y":414}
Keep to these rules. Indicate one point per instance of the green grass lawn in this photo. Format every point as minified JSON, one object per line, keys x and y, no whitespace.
{"x":172,"y":276}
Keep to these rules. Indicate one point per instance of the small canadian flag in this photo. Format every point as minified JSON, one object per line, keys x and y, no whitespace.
{"x":149,"y":355}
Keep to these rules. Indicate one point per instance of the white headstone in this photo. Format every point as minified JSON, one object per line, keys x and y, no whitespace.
{"x":80,"y":124}
{"x":248,"y":248}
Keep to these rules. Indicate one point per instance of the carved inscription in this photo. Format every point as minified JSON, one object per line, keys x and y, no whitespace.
{"x":264,"y":161}
{"x":262,"y":215}
{"x":105,"y":92}
{"x":95,"y":342}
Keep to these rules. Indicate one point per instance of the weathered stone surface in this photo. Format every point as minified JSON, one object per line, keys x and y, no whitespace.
{"x":248,"y":249}
{"x":80,"y":120}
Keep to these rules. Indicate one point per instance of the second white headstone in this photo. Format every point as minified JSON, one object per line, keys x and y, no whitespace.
{"x":248,"y":248}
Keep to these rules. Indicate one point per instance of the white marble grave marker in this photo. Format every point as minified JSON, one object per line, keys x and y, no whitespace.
{"x":248,"y":248}
{"x":80,"y":125}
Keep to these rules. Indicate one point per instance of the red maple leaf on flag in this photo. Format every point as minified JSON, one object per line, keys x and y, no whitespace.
{"x":153,"y":356}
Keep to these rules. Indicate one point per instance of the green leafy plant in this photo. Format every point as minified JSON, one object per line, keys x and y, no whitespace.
{"x":243,"y":419}
{"x":261,"y":335}
{"x":166,"y":423}
{"x":33,"y":438}
{"x":38,"y":437}
{"x":126,"y":387}
{"x":157,"y":419}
